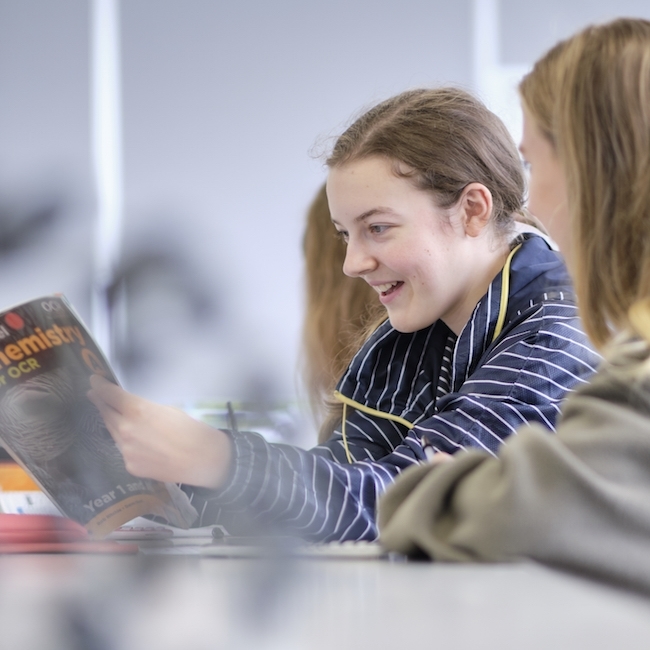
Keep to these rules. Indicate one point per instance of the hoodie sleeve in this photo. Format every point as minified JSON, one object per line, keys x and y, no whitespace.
{"x":319,"y":495}
{"x":579,"y":500}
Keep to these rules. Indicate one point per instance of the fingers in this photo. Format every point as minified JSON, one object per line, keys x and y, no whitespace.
{"x":161,"y":442}
{"x":441,"y":457}
{"x":109,"y":401}
{"x":102,"y":390}
{"x":98,"y":382}
{"x":104,"y":409}
{"x":107,"y":395}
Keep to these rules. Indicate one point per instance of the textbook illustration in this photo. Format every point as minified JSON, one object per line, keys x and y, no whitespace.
{"x":50,"y":427}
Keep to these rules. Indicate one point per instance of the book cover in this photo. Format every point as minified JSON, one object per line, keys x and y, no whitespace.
{"x":50,"y":427}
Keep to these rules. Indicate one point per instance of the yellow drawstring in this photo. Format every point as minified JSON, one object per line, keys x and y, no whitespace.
{"x":503,"y":307}
{"x":505,"y":290}
{"x":345,"y":438}
{"x":366,"y":409}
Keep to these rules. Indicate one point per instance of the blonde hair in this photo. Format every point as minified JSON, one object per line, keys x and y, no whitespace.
{"x":338,"y":310}
{"x":591,"y":96}
{"x":443,"y":139}
{"x":539,"y":90}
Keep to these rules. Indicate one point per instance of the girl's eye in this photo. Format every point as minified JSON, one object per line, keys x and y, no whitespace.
{"x":376,"y":229}
{"x":526,"y":165}
{"x":342,"y":235}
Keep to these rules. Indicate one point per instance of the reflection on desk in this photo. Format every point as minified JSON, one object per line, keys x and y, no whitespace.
{"x":196,"y":603}
{"x":214,"y":541}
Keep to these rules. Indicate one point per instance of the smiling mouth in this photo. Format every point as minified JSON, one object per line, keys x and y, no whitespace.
{"x":388,"y":288}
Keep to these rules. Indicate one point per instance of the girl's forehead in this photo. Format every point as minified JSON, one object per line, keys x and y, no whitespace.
{"x":365,"y":173}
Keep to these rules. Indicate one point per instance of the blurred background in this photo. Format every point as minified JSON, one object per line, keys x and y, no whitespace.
{"x":157,"y":158}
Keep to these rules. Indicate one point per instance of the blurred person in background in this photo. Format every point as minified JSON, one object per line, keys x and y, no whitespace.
{"x":338,"y":311}
{"x":579,"y":500}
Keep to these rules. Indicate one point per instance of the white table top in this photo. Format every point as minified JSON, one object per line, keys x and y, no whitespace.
{"x":195,"y":603}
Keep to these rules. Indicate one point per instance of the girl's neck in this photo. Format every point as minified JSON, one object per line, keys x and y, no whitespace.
{"x":486,"y":266}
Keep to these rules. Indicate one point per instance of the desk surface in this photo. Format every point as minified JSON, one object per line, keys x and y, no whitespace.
{"x":193,"y":603}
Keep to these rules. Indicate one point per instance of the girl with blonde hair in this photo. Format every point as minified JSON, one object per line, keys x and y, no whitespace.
{"x":579,"y":500}
{"x":338,"y":311}
{"x":482,"y":332}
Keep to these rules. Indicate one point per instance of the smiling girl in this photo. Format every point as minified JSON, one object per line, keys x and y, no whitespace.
{"x":482,"y":332}
{"x":410,"y":250}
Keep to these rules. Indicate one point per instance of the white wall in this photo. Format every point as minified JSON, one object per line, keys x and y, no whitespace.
{"x":222,"y":106}
{"x":225,"y":101}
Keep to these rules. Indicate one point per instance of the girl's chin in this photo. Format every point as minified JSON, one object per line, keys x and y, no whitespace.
{"x":405,"y":325}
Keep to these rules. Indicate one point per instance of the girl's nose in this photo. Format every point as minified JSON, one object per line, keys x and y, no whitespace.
{"x":358,"y":260}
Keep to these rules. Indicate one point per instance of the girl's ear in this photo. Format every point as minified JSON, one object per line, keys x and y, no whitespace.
{"x":475,"y":207}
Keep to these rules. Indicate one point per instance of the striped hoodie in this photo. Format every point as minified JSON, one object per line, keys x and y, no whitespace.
{"x":521,"y":351}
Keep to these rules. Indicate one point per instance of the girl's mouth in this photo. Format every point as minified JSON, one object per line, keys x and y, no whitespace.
{"x":388,"y":288}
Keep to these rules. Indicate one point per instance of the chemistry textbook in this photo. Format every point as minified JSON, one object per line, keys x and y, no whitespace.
{"x":50,"y":427}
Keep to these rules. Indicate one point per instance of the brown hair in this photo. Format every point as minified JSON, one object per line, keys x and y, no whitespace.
{"x":443,"y":139}
{"x":599,"y":120}
{"x":338,"y":309}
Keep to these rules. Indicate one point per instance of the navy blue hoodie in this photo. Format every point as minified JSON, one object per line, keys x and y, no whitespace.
{"x":521,"y":351}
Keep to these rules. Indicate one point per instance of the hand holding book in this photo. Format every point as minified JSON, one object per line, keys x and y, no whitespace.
{"x":161,"y":442}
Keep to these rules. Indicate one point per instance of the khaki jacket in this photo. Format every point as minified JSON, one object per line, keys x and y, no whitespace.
{"x":579,"y":500}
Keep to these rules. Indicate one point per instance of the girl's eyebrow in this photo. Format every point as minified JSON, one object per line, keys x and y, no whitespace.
{"x":369,"y":213}
{"x":372,"y":212}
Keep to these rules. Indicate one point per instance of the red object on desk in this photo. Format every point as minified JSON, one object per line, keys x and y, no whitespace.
{"x":38,"y":536}
{"x":51,"y":534}
{"x":40,"y":525}
{"x":88,"y":547}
